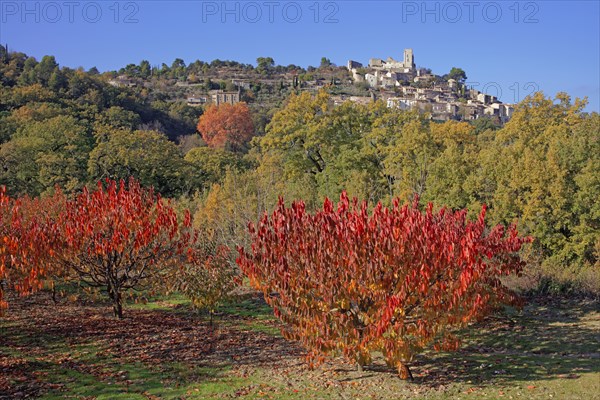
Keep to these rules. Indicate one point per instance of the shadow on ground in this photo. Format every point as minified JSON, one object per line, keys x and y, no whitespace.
{"x":548,"y":339}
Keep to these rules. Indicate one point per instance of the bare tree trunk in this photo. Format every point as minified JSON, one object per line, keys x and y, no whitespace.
{"x":118,"y":306}
{"x":404,"y":372}
{"x":359,"y":363}
{"x":115,"y":296}
{"x":54,"y":294}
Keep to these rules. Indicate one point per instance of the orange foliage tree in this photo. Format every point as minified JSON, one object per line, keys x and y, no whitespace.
{"x":123,"y":236}
{"x":226,"y":126}
{"x":395,"y":280}
{"x":117,"y":237}
{"x":26,"y":243}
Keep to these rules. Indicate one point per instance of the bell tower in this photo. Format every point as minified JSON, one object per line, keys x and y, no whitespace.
{"x":409,"y":59}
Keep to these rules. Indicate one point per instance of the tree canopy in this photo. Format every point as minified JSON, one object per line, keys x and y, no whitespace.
{"x":458,"y":74}
{"x":226,"y":126}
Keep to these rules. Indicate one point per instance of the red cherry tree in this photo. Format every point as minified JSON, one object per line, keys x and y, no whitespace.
{"x":122,"y":237}
{"x":395,"y":280}
{"x":26,"y":243}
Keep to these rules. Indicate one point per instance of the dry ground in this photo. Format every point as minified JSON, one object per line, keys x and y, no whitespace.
{"x":77,"y":350}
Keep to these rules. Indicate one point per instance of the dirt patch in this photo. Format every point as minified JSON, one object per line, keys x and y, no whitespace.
{"x":548,"y":340}
{"x":38,"y":328}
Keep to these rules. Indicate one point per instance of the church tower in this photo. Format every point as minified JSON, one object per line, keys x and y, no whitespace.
{"x":409,"y":59}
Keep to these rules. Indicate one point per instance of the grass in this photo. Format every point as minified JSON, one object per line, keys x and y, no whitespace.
{"x":88,"y":371}
{"x":245,"y":313}
{"x":162,"y":303}
{"x":162,"y":349}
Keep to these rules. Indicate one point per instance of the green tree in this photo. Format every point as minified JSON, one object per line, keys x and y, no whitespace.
{"x":177,"y":69}
{"x":210,"y":165}
{"x":146,"y":155}
{"x":264,"y":64}
{"x":541,"y":169}
{"x":325,"y":62}
{"x":28,"y":75}
{"x":483,"y":124}
{"x":46,"y":153}
{"x":118,"y":117}
{"x":145,"y":69}
{"x":453,"y":164}
{"x":45,"y":68}
{"x":402,"y":145}
{"x":295,"y":131}
{"x":457,"y":74}
{"x":57,"y":80}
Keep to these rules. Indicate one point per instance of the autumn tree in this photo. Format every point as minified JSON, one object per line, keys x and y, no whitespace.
{"x":396,"y":280}
{"x":324,"y":145}
{"x":211,"y":279}
{"x":295,"y":130}
{"x":243,"y":196}
{"x":542,"y":167}
{"x":226,"y":126}
{"x":123,"y":236}
{"x":449,"y":172}
{"x":26,"y":243}
{"x":402,"y":145}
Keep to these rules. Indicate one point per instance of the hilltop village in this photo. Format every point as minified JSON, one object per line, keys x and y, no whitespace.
{"x":398,"y":83}
{"x":405,"y":86}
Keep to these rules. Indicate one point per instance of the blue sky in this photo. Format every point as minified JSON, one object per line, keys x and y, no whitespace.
{"x":507,"y":47}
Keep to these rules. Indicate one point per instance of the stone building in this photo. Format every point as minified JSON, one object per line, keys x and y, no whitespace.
{"x":407,"y":65}
{"x":122,"y":81}
{"x":403,"y":86}
{"x":220,"y":97}
{"x":196,"y":101}
{"x":353,"y":65}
